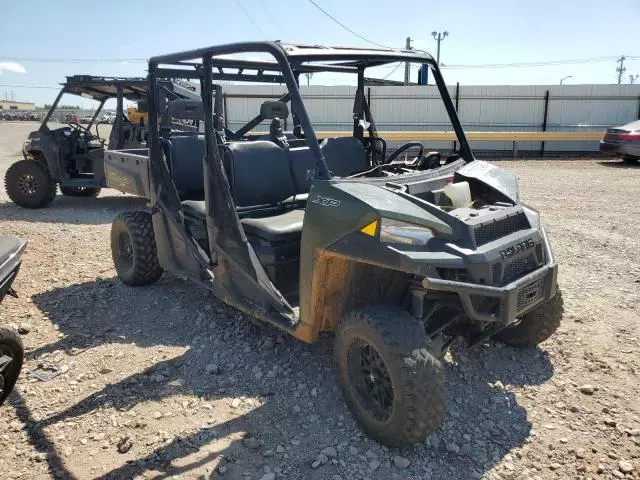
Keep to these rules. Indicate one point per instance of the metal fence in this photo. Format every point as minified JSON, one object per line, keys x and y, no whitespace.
{"x":481,"y":108}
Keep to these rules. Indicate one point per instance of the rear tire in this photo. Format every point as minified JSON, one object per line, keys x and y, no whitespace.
{"x":630,"y":160}
{"x":80,"y":191}
{"x":11,"y":345}
{"x":391,"y":382}
{"x":29,"y":184}
{"x":535,"y":326}
{"x":133,"y":248}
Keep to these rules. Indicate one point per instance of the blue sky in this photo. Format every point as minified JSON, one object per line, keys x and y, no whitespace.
{"x":480,"y":32}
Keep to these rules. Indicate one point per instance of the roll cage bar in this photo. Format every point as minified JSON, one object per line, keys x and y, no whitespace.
{"x":207,"y":66}
{"x":102,"y":89}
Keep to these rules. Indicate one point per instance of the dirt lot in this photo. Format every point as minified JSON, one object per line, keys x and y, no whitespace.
{"x":165,"y":381}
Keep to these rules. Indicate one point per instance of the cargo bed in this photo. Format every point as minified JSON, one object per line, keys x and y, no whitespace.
{"x":128,"y":170}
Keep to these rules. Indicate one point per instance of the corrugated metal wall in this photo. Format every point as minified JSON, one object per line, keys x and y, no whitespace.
{"x":481,"y":108}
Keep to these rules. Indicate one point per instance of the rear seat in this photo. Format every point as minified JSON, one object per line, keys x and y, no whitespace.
{"x":265,"y":180}
{"x":261,"y":183}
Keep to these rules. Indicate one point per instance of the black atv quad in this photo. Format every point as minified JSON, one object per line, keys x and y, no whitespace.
{"x":11,"y":349}
{"x":397,"y":254}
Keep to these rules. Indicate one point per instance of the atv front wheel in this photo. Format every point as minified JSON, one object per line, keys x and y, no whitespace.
{"x":535,"y":326}
{"x":391,"y":382}
{"x":11,"y":357}
{"x":133,"y":248}
{"x":29,"y":184}
{"x":79,"y":191}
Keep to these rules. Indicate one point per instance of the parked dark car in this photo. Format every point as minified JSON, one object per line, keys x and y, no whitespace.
{"x":624,"y":140}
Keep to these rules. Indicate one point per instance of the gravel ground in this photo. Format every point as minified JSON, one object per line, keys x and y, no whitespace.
{"x":165,"y":381}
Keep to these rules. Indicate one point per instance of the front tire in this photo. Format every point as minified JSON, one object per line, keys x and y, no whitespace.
{"x":29,"y":184}
{"x":11,"y":346}
{"x":630,"y":160}
{"x":80,"y":191}
{"x":535,"y":326}
{"x":133,"y":248}
{"x":391,"y":382}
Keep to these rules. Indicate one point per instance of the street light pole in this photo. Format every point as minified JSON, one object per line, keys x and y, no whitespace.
{"x":439,"y":36}
{"x":564,"y":78}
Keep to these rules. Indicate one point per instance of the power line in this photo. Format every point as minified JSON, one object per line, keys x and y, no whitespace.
{"x":28,"y":86}
{"x":344,"y":26}
{"x":75,"y":60}
{"x":273,"y":20}
{"x":391,"y":72}
{"x":246,"y":13}
{"x":539,"y":64}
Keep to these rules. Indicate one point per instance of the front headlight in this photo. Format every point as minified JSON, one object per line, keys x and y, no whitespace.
{"x":398,"y":232}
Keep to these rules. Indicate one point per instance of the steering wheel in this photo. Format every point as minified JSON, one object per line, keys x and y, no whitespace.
{"x":78,"y":128}
{"x":406,"y":147}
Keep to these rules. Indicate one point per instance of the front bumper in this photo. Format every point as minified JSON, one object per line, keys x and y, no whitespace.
{"x":511,"y":301}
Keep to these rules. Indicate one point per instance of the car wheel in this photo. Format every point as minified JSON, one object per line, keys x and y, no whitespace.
{"x":535,"y":326}
{"x":391,"y":382}
{"x":29,"y":184}
{"x":133,"y":248}
{"x":11,"y":349}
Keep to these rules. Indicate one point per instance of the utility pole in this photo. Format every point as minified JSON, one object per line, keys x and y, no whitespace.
{"x":621,"y":68}
{"x":406,"y":65}
{"x":633,"y":78}
{"x":308,"y":75}
{"x":439,"y":36}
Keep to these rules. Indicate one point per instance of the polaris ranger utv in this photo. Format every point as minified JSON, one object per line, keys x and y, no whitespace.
{"x":72,"y":155}
{"x":11,"y":349}
{"x":396,"y":254}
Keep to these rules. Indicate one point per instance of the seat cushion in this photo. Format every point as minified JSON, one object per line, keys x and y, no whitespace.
{"x":278,"y":228}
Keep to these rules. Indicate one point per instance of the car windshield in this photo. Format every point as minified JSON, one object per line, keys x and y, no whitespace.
{"x":71,"y":108}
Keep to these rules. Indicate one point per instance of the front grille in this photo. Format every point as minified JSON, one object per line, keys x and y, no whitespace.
{"x":495,"y":272}
{"x":517,"y":268}
{"x":454,"y":274}
{"x":490,"y":231}
{"x":530,"y":294}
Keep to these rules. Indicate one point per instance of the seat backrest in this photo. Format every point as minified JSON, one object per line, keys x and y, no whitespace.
{"x":187,"y":154}
{"x":344,"y":155}
{"x":260,"y":173}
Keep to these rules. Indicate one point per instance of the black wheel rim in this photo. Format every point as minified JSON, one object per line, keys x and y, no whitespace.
{"x":125,"y":249}
{"x":6,"y":368}
{"x":370,"y":379}
{"x":28,"y":185}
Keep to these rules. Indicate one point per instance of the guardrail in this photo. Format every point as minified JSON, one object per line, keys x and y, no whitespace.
{"x":514,"y":137}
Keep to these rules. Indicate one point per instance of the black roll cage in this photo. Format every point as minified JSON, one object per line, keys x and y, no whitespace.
{"x":100,"y":89}
{"x":291,"y":61}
